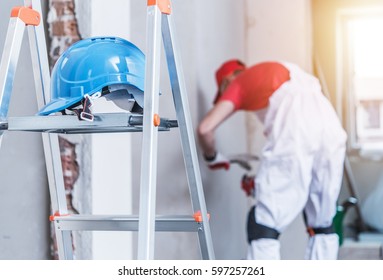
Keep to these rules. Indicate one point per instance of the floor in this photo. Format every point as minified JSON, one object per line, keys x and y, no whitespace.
{"x":368,"y":246}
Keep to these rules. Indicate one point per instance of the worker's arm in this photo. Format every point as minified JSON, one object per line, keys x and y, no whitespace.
{"x":217,"y":115}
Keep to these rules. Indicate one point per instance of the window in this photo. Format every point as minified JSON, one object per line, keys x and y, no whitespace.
{"x":363,"y":73}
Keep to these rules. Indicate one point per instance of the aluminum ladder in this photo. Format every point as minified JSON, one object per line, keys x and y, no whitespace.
{"x":159,"y":25}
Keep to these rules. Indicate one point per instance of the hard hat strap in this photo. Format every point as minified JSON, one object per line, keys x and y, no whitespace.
{"x":85,"y":113}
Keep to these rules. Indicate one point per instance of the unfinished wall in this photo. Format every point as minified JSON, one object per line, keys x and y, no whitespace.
{"x":63,"y":27}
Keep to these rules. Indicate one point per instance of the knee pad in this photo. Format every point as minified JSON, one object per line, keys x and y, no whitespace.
{"x":320,"y":230}
{"x":257,"y":231}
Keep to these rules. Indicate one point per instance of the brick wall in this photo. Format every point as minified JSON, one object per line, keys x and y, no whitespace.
{"x":63,"y":32}
{"x":63,"y":28}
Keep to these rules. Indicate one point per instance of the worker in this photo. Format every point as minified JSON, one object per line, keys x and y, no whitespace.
{"x":301,"y":164}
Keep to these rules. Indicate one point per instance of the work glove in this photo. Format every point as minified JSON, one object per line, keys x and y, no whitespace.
{"x":217,"y":162}
{"x":248,"y":185}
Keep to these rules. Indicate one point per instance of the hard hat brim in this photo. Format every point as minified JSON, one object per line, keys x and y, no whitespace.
{"x":58,"y":105}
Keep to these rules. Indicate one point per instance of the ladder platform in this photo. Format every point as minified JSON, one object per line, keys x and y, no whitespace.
{"x":180,"y":223}
{"x":70,"y":124}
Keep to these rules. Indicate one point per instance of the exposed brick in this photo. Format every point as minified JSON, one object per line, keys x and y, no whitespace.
{"x":63,"y":31}
{"x":63,"y":28}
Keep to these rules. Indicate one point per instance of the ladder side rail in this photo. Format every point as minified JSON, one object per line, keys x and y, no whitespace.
{"x":150,"y":136}
{"x":41,"y":74}
{"x":8,"y":66}
{"x":8,"y":63}
{"x":39,"y":56}
{"x":57,"y":192}
{"x":186,"y":131}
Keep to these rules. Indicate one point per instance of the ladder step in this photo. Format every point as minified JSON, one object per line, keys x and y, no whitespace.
{"x":180,"y":223}
{"x":69,"y":124}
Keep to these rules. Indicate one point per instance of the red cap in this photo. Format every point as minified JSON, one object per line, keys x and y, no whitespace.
{"x":226,"y":69}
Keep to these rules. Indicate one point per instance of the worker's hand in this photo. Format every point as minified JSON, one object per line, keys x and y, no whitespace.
{"x":248,"y":184}
{"x":217,"y":162}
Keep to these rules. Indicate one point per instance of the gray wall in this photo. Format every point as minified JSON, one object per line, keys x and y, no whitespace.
{"x":24,"y":200}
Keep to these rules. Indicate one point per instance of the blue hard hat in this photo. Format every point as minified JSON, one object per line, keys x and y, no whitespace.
{"x":91,"y":64}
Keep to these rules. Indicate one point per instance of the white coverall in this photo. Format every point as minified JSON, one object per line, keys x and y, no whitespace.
{"x":301,"y":165}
